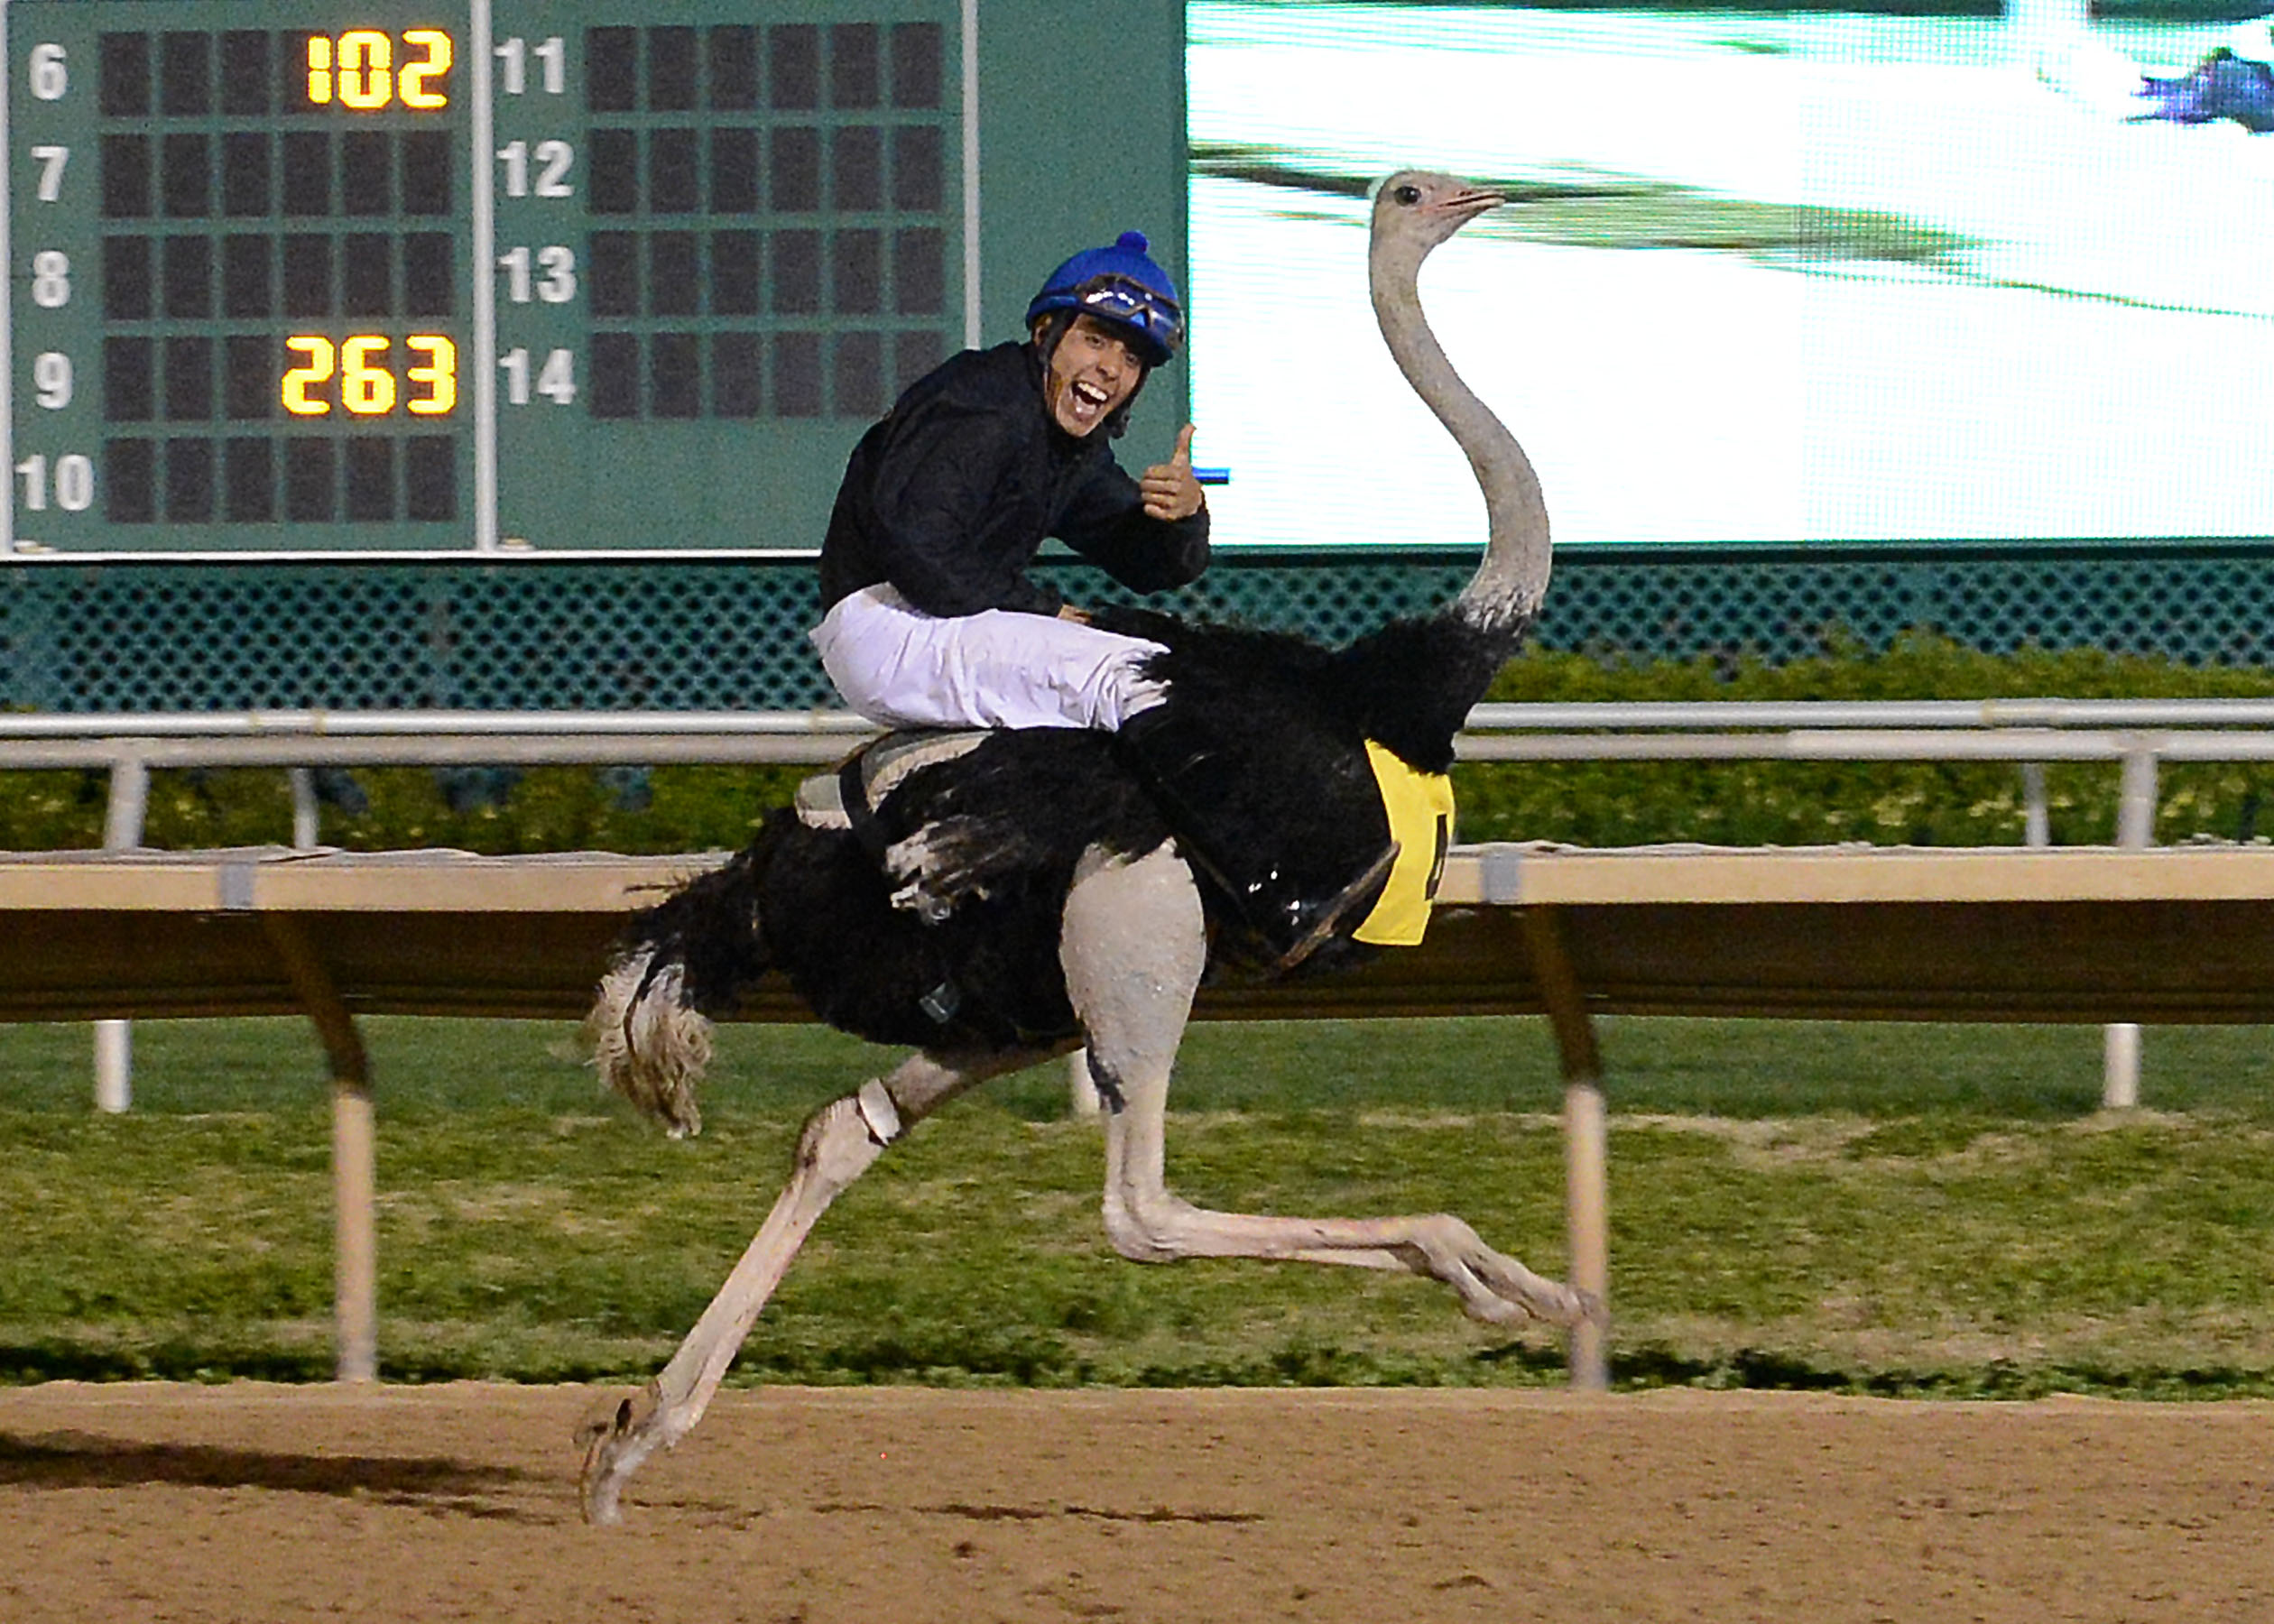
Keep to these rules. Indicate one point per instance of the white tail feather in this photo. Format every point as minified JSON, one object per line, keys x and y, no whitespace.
{"x":647,"y":1044}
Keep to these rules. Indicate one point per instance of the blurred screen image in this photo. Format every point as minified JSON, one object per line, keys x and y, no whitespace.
{"x":1792,"y":277}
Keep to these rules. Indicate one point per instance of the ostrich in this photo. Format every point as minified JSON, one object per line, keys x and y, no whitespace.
{"x":1005,"y":896}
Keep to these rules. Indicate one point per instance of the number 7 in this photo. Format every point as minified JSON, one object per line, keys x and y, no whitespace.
{"x":50,"y":160}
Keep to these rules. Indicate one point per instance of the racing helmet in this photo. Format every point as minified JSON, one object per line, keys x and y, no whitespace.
{"x":1119,"y":284}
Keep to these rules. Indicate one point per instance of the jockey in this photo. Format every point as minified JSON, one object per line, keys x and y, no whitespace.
{"x":929,"y":617}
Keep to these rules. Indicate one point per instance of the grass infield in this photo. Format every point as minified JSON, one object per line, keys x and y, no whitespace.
{"x":1933,"y":1210}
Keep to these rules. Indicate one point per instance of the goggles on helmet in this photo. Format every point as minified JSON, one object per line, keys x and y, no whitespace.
{"x":1126,"y":300}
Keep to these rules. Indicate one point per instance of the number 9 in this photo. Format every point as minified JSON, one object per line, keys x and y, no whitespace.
{"x":51,"y":377}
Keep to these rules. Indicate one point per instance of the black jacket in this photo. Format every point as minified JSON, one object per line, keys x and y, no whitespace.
{"x":949,"y":497}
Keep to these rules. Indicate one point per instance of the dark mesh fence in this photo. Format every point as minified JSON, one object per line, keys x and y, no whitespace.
{"x":730,"y":635}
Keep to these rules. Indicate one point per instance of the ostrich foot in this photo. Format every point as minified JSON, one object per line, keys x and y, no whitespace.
{"x":1495,"y":1288}
{"x":1549,"y":1301}
{"x":616,"y":1442}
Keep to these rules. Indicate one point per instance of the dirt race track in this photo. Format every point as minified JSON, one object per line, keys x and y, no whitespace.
{"x":151,"y":1503}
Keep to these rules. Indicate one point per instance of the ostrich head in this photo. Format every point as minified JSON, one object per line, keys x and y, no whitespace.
{"x":1414,"y":210}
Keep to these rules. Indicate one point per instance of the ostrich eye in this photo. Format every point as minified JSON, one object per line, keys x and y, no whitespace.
{"x":1408,"y":195}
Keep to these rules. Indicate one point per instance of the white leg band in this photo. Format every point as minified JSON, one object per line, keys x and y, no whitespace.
{"x":874,"y":1103}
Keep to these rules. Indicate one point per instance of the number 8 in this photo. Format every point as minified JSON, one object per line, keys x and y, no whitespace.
{"x":50,"y":279}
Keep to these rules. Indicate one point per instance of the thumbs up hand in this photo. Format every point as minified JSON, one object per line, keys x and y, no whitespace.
{"x":1169,"y":488}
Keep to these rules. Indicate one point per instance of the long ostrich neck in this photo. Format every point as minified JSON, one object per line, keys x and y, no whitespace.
{"x":1506,"y":592}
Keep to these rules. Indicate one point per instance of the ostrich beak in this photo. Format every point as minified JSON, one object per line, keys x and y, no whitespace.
{"x":1470,"y":201}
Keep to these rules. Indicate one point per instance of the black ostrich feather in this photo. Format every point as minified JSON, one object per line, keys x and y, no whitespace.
{"x":816,"y":904}
{"x":709,"y":928}
{"x":1409,"y":686}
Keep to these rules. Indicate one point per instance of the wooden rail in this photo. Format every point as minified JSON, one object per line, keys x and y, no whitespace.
{"x":2181,"y":935}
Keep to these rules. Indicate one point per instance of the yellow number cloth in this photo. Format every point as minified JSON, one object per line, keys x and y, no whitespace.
{"x":1421,"y":809}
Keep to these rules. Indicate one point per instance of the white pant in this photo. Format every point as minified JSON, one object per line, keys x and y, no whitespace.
{"x":903,"y":668}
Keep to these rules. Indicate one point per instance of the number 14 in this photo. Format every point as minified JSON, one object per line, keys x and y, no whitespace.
{"x":556,"y":380}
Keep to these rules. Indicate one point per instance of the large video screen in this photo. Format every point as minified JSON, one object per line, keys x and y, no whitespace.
{"x":1768,"y":277}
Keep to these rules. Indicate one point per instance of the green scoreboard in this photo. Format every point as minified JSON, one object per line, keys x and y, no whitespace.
{"x":530,"y":276}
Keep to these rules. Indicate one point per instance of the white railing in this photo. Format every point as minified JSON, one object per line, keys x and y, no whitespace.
{"x":2135,"y":735}
{"x":2023,"y":731}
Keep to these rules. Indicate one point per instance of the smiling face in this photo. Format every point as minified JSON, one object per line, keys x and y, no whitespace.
{"x":1091,"y":374}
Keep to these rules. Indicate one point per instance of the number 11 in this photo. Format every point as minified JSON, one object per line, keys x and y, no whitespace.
{"x":551,"y":55}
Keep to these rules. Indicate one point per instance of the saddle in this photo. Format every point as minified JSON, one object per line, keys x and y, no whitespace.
{"x":928,"y":876}
{"x":848,"y":795}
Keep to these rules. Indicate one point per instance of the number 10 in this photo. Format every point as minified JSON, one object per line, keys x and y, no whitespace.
{"x":74,"y":482}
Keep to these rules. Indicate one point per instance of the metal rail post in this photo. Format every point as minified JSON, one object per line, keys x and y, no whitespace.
{"x":2037,"y":821}
{"x":304,"y":809}
{"x":1586,"y":1141}
{"x":2135,"y":831}
{"x":123,"y":815}
{"x":354,"y":1158}
{"x":1586,"y":1215}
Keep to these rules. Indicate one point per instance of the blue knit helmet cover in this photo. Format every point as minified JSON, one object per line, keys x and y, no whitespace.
{"x":1119,"y":284}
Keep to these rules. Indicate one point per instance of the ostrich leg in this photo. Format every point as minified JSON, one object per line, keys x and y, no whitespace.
{"x":841,"y":1141}
{"x":1133,"y":948}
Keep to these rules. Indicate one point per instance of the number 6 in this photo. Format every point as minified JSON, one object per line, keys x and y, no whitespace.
{"x":366,"y":390}
{"x":50,"y":79}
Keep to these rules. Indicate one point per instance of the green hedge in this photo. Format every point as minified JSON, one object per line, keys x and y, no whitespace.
{"x":1799,"y":803}
{"x":548,"y":809}
{"x":695,"y":808}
